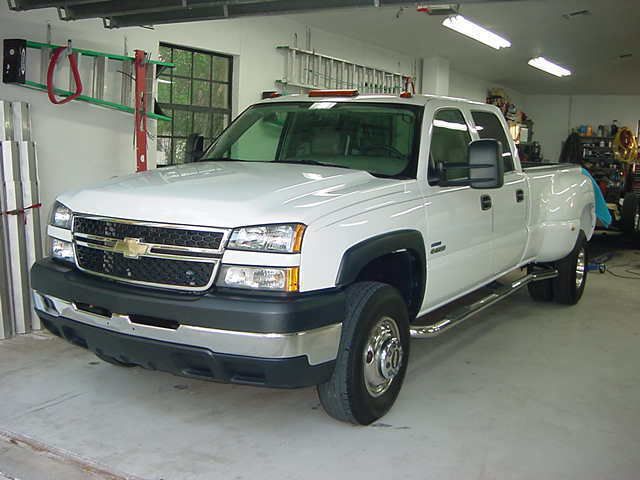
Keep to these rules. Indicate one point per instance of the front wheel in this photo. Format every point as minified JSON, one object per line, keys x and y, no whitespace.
{"x":372,"y":357}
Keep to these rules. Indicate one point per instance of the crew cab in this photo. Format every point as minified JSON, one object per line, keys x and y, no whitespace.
{"x":310,"y":242}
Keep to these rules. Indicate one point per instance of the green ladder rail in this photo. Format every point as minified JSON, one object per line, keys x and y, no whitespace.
{"x":99,"y":69}
{"x":96,"y":101}
{"x":93,"y":53}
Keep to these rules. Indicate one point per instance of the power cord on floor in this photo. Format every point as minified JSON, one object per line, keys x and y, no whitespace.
{"x":633,"y":271}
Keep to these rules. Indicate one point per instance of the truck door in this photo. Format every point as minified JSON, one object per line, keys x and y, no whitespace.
{"x":459,"y":245}
{"x":510,"y":203}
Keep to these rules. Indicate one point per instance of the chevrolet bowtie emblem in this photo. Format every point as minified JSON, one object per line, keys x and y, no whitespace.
{"x":131,"y":248}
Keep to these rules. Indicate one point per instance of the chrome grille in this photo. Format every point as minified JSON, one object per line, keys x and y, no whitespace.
{"x":151,"y":254}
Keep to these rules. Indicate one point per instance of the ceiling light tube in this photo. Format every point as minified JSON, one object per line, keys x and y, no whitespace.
{"x":545,"y":65}
{"x":472,"y":30}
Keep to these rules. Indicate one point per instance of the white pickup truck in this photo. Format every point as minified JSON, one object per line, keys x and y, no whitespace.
{"x":310,"y":243}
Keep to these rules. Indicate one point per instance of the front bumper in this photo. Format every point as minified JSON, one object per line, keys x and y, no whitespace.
{"x":279,"y":342}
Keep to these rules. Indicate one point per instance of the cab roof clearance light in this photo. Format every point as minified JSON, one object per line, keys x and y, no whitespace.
{"x":333,"y":93}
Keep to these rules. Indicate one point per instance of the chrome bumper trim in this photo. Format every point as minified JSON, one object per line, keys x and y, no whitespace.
{"x":319,"y":345}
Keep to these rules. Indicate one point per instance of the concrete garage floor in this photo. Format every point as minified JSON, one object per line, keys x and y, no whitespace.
{"x":523,"y":391}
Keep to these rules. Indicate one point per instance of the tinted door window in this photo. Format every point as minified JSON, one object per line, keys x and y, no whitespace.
{"x":449,"y":144}
{"x":489,"y":126}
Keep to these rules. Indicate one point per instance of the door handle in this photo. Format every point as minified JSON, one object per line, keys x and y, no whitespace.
{"x":485,"y":202}
{"x":519,"y":196}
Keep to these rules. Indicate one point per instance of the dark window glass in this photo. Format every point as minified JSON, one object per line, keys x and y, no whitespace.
{"x":196,"y":94}
{"x":489,"y":126}
{"x":449,"y":143}
{"x":380,"y":139}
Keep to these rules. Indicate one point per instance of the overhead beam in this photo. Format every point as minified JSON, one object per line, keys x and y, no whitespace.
{"x":116,"y":8}
{"x":21,"y":5}
{"x":124,"y":13}
{"x":198,"y":11}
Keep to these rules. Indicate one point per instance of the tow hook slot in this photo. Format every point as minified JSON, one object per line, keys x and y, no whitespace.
{"x":155,"y":322}
{"x":93,"y":309}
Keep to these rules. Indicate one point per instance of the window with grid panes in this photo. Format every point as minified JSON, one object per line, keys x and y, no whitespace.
{"x":196,"y":94}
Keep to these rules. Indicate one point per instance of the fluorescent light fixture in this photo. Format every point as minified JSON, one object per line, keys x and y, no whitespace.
{"x":470,"y":29}
{"x":545,"y":65}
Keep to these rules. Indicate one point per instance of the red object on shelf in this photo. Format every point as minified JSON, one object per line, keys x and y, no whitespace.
{"x":409,"y":88}
{"x":141,"y":112}
{"x":73,"y":63}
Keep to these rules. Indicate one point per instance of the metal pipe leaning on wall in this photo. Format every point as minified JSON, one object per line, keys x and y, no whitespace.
{"x":20,"y":233}
{"x":12,"y":190}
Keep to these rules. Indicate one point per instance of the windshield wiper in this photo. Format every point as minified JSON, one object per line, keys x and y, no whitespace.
{"x":312,"y":162}
{"x":221,"y":159}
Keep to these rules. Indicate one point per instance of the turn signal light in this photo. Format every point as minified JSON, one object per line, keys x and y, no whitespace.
{"x":334,"y":93}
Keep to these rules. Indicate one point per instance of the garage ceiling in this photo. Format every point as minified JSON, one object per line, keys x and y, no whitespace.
{"x":123,"y":13}
{"x":590,"y":44}
{"x":602,"y":47}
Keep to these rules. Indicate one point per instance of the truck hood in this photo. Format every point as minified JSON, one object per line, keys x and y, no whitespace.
{"x":231,"y":194}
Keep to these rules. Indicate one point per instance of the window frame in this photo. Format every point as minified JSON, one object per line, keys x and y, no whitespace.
{"x":506,"y":135}
{"x":431,"y":168}
{"x":191,"y":108}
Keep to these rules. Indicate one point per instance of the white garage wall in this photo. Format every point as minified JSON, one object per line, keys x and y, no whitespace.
{"x":556,"y":115}
{"x":79,"y":144}
{"x":550,"y":114}
{"x":465,"y":86}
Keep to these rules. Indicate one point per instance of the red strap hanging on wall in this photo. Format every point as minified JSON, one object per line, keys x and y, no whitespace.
{"x":141,"y":113}
{"x":73,"y":63}
{"x":22,"y":211}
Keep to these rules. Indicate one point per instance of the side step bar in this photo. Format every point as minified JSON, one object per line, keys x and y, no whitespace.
{"x":460,"y":315}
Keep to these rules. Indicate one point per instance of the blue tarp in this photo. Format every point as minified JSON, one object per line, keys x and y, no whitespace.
{"x":602,"y":211}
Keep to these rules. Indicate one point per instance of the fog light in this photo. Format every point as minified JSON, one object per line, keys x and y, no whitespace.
{"x":61,"y":250}
{"x":259,"y":278}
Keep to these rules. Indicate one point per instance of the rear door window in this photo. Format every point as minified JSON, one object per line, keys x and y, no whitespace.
{"x":449,"y":144}
{"x":489,"y":126}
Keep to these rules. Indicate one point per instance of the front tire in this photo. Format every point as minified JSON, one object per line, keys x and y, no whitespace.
{"x":372,"y":357}
{"x":568,"y":286}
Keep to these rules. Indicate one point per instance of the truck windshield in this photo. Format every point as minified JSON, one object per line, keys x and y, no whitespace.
{"x":381,"y":139}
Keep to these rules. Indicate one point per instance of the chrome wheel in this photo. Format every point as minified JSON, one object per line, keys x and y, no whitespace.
{"x":581,"y":266}
{"x":382,"y":356}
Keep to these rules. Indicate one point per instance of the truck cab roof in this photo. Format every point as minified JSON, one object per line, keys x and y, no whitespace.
{"x":326,"y":96}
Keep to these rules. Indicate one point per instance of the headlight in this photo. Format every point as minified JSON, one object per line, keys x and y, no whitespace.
{"x":259,"y":278}
{"x":61,"y":250}
{"x":61,"y":216}
{"x":285,"y":238}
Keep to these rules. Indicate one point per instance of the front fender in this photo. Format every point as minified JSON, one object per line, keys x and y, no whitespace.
{"x":360,"y":254}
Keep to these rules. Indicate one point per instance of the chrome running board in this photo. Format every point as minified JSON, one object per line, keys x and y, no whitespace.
{"x":458,"y":316}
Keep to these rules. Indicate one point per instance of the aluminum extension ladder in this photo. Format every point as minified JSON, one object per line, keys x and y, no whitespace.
{"x":307,"y":70}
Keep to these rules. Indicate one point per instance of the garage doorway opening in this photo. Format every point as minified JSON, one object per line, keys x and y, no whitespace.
{"x":196,"y":94}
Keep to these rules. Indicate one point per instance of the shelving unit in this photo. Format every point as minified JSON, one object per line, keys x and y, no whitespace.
{"x":597,"y":149}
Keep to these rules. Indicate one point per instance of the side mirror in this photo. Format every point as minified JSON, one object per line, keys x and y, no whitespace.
{"x":194,"y":149}
{"x":486,"y":166}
